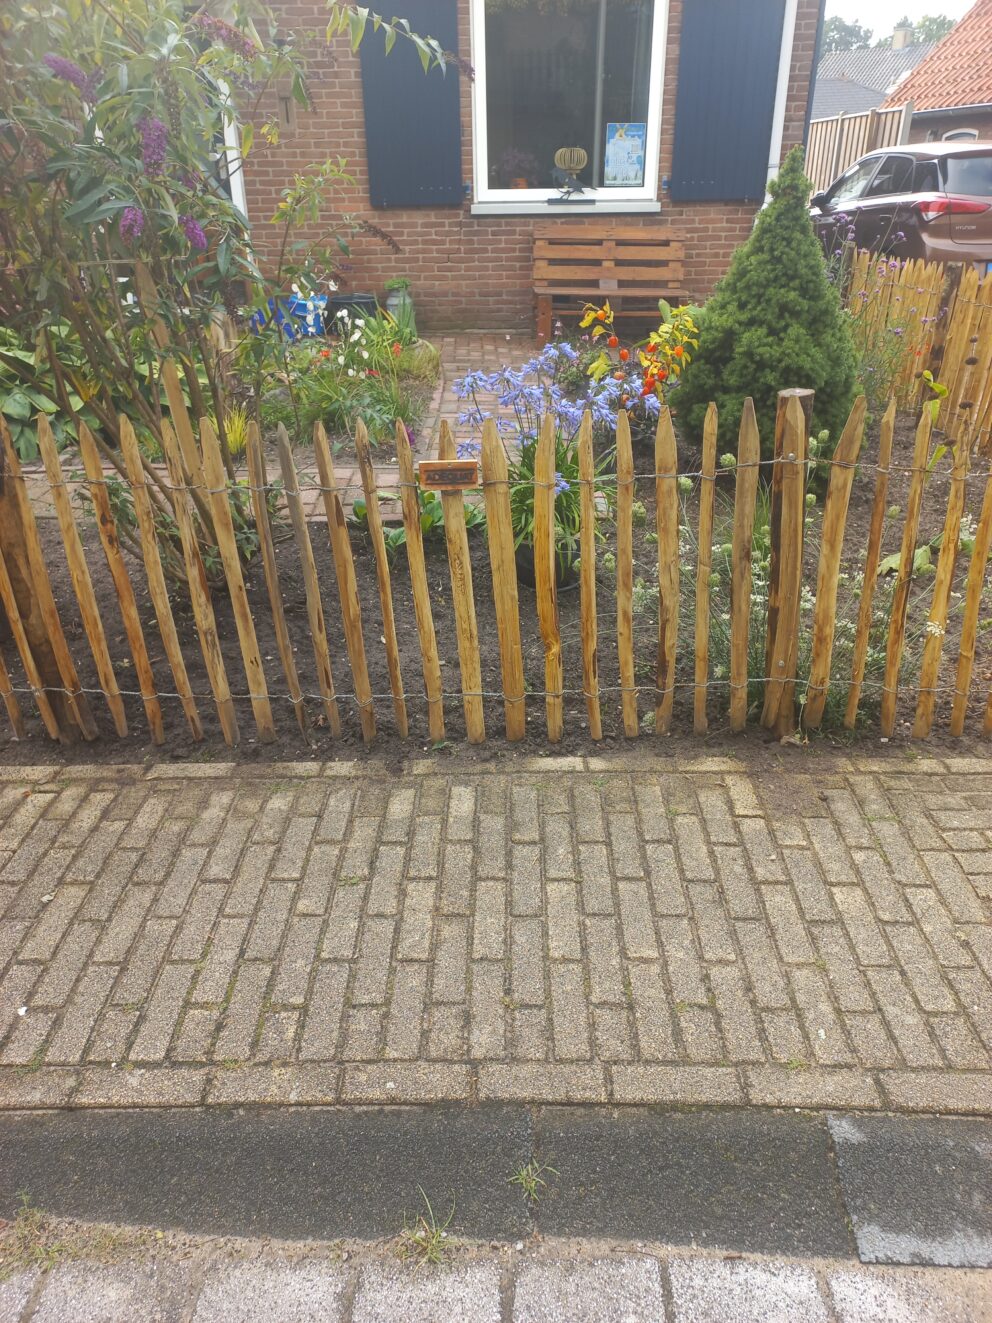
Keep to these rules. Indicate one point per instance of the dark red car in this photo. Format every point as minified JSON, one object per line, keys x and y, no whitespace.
{"x":931,"y":200}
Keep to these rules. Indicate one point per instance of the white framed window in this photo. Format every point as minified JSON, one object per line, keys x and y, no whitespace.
{"x":554,"y":75}
{"x":960,"y":135}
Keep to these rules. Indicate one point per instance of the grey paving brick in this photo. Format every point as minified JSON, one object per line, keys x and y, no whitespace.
{"x":194,"y":932}
{"x":182,"y":879}
{"x":959,"y":1043}
{"x":363,"y":1033}
{"x":739,"y":892}
{"x":715,"y":938}
{"x":789,"y":931}
{"x":272,"y":821}
{"x":447,"y":1038}
{"x":68,"y":1042}
{"x":341,"y":933}
{"x":272,"y":916}
{"x":405,"y":1017}
{"x":878,"y":882}
{"x":785,"y":1037}
{"x":17,"y":825}
{"x":451,"y":961}
{"x":652,"y":1011}
{"x":314,"y":893}
{"x":25,"y":1044}
{"x":904,"y":1021}
{"x":762,"y":851}
{"x":915,"y":959}
{"x":564,"y":942}
{"x":487,"y":1012}
{"x":871,"y":1040}
{"x":714,"y":803}
{"x":356,"y":861}
{"x":333,"y":824}
{"x":847,"y":983}
{"x":700,"y":1034}
{"x":240,"y":1024}
{"x":104,"y":894}
{"x":293,"y":1293}
{"x":569,"y":1012}
{"x":61,"y":972}
{"x":651,"y":811}
{"x":158,"y":857}
{"x":399,"y":815}
{"x":417,"y":921}
{"x":209,"y":821}
{"x":764,"y":971}
{"x":460,"y":823}
{"x":524,"y":820}
{"x":527,"y":961}
{"x":866,"y":936}
{"x":809,"y":885}
{"x":457,"y":878}
{"x":425,"y":848}
{"x":25,"y":859}
{"x":667,"y":890}
{"x":375,"y":945}
{"x":322,"y":1023}
{"x":824,"y":1029}
{"x":590,"y":823}
{"x":291,"y":856}
{"x":386,"y":880}
{"x":161,"y":1014}
{"x":938,"y":928}
{"x":975,"y":993}
{"x":596,"y":884}
{"x":141,"y":826}
{"x":685,"y":970}
{"x":953,"y":884}
{"x":605,"y":965}
{"x":110,"y":1037}
{"x":558,"y":854}
{"x":690,"y":841}
{"x":491,"y":848}
{"x":89,"y":862}
{"x":43,"y":939}
{"x":709,"y":1290}
{"x":528,"y":1035}
{"x":624,"y":846}
{"x":636,"y":919}
{"x":143,"y":961}
{"x":214,"y":977}
{"x":525,"y":880}
{"x":489,"y":929}
{"x":738,"y":1022}
{"x":297,"y":960}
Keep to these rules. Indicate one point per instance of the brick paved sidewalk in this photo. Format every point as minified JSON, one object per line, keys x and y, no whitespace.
{"x":642,"y":930}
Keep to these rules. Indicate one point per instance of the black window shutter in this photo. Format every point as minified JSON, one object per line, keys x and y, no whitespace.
{"x":728,"y":72}
{"x":413,"y":119}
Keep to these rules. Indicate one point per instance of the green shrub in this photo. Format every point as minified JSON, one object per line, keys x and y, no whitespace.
{"x":774,"y":321}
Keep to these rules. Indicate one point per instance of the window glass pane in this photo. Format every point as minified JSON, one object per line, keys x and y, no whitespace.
{"x":969,"y":175}
{"x":567,"y":74}
{"x":851,"y":185}
{"x":925,"y":177}
{"x":894,"y":176}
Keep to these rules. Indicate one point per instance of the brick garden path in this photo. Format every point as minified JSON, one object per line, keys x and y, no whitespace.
{"x":644,"y":929}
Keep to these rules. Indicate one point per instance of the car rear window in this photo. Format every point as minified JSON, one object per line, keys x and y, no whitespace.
{"x":971,"y":175}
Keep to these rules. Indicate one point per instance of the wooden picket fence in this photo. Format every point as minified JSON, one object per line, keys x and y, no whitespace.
{"x":197,"y":475}
{"x":943,"y":316}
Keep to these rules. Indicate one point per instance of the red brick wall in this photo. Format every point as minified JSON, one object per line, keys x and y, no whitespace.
{"x":475,"y":271}
{"x":923,"y":125}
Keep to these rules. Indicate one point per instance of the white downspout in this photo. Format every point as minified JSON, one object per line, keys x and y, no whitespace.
{"x":782,"y":88}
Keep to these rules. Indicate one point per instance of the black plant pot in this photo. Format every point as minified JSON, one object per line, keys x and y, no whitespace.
{"x":566,"y":569}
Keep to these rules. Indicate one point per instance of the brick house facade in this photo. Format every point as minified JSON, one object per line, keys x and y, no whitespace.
{"x":474,"y":270}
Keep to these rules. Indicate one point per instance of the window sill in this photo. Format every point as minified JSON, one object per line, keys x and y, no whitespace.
{"x":643,"y":205}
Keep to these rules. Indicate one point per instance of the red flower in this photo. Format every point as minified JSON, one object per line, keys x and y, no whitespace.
{"x":397,"y":349}
{"x":325,"y":353}
{"x":372,"y":372}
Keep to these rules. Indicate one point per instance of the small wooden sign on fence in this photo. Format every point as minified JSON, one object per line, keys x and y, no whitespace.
{"x":448,"y":475}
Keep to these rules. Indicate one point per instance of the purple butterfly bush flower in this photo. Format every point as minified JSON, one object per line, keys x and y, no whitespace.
{"x":132,"y":224}
{"x":154,"y":139}
{"x":562,"y":484}
{"x":193,"y":231}
{"x":226,"y":35}
{"x":70,"y":72}
{"x":468,"y":450}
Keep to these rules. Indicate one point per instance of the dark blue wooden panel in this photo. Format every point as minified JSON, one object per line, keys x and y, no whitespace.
{"x":728,"y":70}
{"x":412,"y":119}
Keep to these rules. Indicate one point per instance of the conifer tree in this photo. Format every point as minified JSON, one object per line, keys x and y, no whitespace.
{"x":774,"y":321}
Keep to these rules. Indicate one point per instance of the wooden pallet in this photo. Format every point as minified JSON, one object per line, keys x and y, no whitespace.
{"x":631,"y":265}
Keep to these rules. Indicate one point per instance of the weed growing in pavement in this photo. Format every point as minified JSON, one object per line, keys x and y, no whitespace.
{"x":24,"y":1243}
{"x":531,"y":1180}
{"x":425,"y":1240}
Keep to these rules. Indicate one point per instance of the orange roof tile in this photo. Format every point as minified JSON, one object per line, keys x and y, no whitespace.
{"x":958,"y":72}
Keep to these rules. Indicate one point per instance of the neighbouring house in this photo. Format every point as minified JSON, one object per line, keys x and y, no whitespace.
{"x":848,"y":82}
{"x":681,"y":111}
{"x":951,"y":90}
